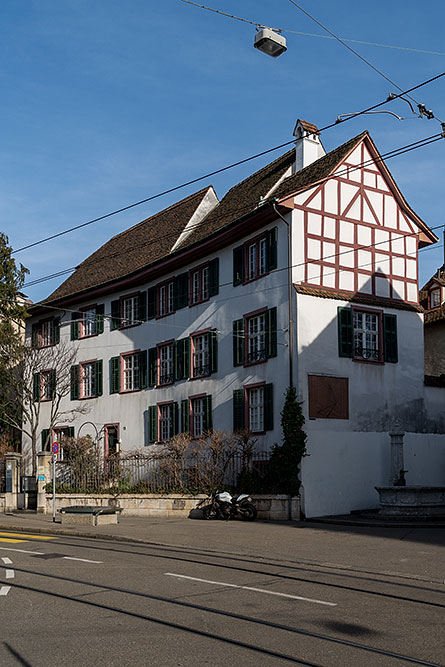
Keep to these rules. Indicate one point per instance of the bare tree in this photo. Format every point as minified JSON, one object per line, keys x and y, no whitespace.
{"x":37,"y":384}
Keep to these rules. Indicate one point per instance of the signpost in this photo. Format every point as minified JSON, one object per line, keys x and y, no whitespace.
{"x":55,"y":451}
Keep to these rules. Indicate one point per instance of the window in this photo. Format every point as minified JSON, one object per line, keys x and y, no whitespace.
{"x":253,"y":408}
{"x":255,"y":337}
{"x":367,"y":335}
{"x":130,"y":372}
{"x":435,"y":299}
{"x":166,"y":299}
{"x":162,"y":422}
{"x":111,"y":439}
{"x":128,"y":311}
{"x":87,"y":322}
{"x":45,"y":332}
{"x":204,"y":282}
{"x":255,"y":258}
{"x":165,"y":422}
{"x":166,"y":364}
{"x":201,"y":355}
{"x":56,"y":435}
{"x":86,"y":379}
{"x":196,"y":415}
{"x":44,"y":385}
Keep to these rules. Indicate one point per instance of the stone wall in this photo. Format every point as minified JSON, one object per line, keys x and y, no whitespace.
{"x":2,"y":502}
{"x":173,"y":506}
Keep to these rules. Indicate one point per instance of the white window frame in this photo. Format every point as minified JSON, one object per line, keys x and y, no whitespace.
{"x":435,"y":298}
{"x":198,"y":414}
{"x":165,"y":427}
{"x":89,"y":322}
{"x":130,"y":371}
{"x":201,"y":355}
{"x":366,"y":335}
{"x":45,"y":386}
{"x":88,"y":379}
{"x":256,"y":338}
{"x":130,"y":310}
{"x":255,"y":409}
{"x":166,"y":364}
{"x":46,"y":333}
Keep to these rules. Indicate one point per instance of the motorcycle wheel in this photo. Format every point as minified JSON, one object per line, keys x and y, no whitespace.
{"x":209,"y":512}
{"x":248,"y":512}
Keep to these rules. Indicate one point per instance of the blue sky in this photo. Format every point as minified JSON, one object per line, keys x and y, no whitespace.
{"x":105,"y":103}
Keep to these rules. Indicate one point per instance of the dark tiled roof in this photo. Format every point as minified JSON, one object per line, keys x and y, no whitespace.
{"x":435,"y":315}
{"x":133,"y":249}
{"x":356,"y":297}
{"x":309,"y":127}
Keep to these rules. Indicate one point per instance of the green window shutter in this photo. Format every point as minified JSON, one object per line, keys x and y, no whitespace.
{"x":100,"y":310}
{"x":151,"y":303}
{"x":152,"y":367}
{"x":182,"y":358}
{"x":208,"y":416}
{"x":152,"y":423}
{"x":181,"y":291}
{"x":75,"y":317}
{"x":345,"y":332}
{"x":74,"y":383}
{"x":53,"y":383}
{"x":185,"y":416}
{"x":175,"y":418}
{"x":36,"y":391}
{"x":271,"y":249}
{"x":142,"y":306}
{"x":213,"y":350}
{"x":390,"y":352}
{"x":238,"y":265}
{"x":143,"y":369}
{"x":115,"y":375}
{"x":271,"y":332}
{"x":214,"y":277}
{"x":115,"y":315}
{"x":46,"y":445}
{"x":70,"y":432}
{"x":268,"y":407}
{"x":35,"y":335}
{"x":56,"y":330}
{"x":238,"y":342}
{"x":238,"y":409}
{"x":99,"y":377}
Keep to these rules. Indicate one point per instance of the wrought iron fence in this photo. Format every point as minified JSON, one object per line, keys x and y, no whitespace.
{"x":138,"y":473}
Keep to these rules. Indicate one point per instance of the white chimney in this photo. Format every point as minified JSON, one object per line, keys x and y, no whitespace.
{"x":308,"y":146}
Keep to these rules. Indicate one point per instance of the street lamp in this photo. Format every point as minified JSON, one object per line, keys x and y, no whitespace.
{"x":270,"y":42}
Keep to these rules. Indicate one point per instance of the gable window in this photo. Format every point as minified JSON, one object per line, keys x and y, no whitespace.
{"x":367,"y":335}
{"x":166,"y":299}
{"x":86,"y":379}
{"x":435,"y":299}
{"x":46,"y":332}
{"x":87,"y":322}
{"x":166,"y":364}
{"x":255,"y":337}
{"x":255,"y":258}
{"x":253,"y":408}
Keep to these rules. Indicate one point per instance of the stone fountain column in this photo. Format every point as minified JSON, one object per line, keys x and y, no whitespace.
{"x":396,"y":456}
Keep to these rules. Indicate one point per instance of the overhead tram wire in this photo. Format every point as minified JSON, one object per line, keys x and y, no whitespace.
{"x":219,"y":171}
{"x":367,"y":62}
{"x":385,"y":156}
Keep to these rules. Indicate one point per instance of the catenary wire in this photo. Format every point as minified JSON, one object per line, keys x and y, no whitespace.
{"x":311,"y":34}
{"x":218,"y":171}
{"x":390,"y":154}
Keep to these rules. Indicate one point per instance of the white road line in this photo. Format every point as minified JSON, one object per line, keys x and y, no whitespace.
{"x":23,"y":551}
{"x":251,"y":588}
{"x":7,"y":561}
{"x":10,"y":574}
{"x":4,"y":590}
{"x":83,"y":560}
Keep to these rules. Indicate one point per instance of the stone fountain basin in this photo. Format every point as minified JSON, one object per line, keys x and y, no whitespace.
{"x":424,"y":501}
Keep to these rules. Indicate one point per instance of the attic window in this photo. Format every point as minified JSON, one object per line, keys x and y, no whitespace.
{"x":435,"y":299}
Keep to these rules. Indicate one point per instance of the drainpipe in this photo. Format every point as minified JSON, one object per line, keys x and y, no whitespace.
{"x":289,"y":287}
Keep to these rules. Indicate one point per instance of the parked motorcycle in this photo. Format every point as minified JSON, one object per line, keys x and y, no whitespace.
{"x":222,"y":505}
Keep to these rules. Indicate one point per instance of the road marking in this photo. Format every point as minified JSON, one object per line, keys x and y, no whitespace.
{"x":83,"y":560}
{"x":25,"y":535}
{"x":251,"y":588}
{"x":40,"y":553}
{"x":22,"y":551}
{"x":7,"y":561}
{"x":4,"y":590}
{"x":10,"y":574}
{"x":11,"y":540}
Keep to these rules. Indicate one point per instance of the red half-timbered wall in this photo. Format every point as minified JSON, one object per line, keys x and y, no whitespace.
{"x":356,"y":236}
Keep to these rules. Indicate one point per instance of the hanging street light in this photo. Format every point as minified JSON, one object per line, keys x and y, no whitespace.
{"x":270,"y":42}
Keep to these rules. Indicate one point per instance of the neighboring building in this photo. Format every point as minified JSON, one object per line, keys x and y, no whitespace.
{"x":182,"y":322}
{"x":432,"y":298}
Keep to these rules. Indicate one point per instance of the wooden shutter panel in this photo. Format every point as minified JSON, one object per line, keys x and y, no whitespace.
{"x":36,"y":389}
{"x":208,"y":416}
{"x":115,"y":375}
{"x":56,"y":330}
{"x":151,"y":303}
{"x":99,"y":377}
{"x":74,"y":383}
{"x":214,"y":277}
{"x":182,"y":358}
{"x":45,"y":439}
{"x":115,"y":315}
{"x":268,"y":407}
{"x":238,"y":409}
{"x":152,"y":367}
{"x":100,"y":310}
{"x":181,"y":291}
{"x":213,"y":350}
{"x":271,"y":332}
{"x":75,"y":317}
{"x":238,"y":342}
{"x":52,"y":383}
{"x":143,"y":369}
{"x":152,"y":423}
{"x":35,"y":335}
{"x":345,"y":332}
{"x":142,"y":306}
{"x":238,"y":265}
{"x":70,"y":432}
{"x":185,"y":416}
{"x":390,"y":351}
{"x":272,"y":249}
{"x":175,"y":419}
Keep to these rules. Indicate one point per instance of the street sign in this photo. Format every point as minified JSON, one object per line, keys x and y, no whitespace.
{"x":55,"y":447}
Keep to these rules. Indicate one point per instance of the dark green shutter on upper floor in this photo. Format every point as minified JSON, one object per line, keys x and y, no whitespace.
{"x":182,"y":358}
{"x":238,"y":409}
{"x":271,"y":332}
{"x":213,"y":349}
{"x":175,"y":419}
{"x":208,"y":415}
{"x":238,"y":265}
{"x":143,"y":370}
{"x":46,"y":444}
{"x":153,"y":423}
{"x":271,"y":239}
{"x":36,"y":388}
{"x":185,"y":416}
{"x":345,"y":332}
{"x":98,"y":377}
{"x":142,"y":306}
{"x":75,"y":317}
{"x":152,"y":367}
{"x":238,"y":342}
{"x":214,"y":277}
{"x":115,"y":375}
{"x":390,"y":351}
{"x":115,"y":315}
{"x":268,"y":407}
{"x":56,"y":331}
{"x":74,"y":383}
{"x":181,"y":291}
{"x":100,"y":310}
{"x":35,"y":335}
{"x":52,"y":379}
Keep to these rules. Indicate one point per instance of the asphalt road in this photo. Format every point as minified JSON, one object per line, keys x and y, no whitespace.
{"x":70,"y":601}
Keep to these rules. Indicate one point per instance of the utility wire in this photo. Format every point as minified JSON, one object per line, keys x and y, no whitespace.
{"x":311,"y":34}
{"x":367,"y":62}
{"x":219,"y":171}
